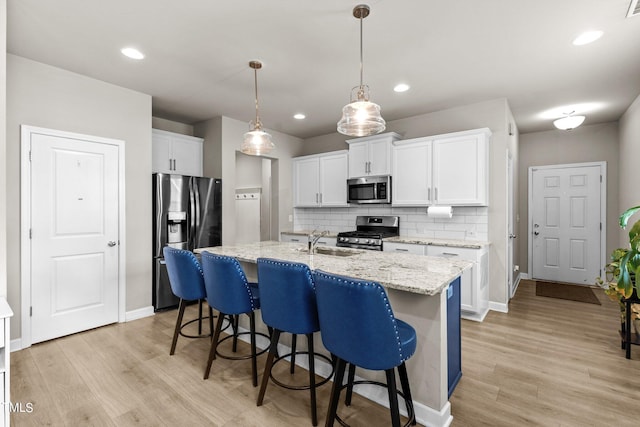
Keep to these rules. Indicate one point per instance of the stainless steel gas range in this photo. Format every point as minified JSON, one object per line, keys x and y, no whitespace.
{"x":370,"y":232}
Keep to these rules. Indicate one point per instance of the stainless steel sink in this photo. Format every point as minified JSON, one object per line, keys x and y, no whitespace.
{"x":323,"y":250}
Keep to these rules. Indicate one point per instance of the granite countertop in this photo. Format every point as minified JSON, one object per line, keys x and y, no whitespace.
{"x":470,"y":244}
{"x":406,"y":272}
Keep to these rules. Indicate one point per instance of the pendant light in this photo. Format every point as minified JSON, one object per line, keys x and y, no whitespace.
{"x":256,"y":142}
{"x":360,"y":117}
{"x":569,"y":121}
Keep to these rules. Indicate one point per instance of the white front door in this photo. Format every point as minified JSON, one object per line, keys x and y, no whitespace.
{"x":565,"y":223}
{"x":74,"y":234}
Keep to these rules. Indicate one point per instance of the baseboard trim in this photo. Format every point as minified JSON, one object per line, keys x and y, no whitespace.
{"x":15,"y":345}
{"x":498,"y":306}
{"x":517,"y":283}
{"x":139,"y":313}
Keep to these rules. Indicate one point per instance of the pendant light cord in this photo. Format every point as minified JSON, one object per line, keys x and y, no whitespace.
{"x":255,"y":78}
{"x":361,"y":56}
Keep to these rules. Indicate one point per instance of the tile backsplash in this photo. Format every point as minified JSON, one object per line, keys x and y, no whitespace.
{"x":467,"y":223}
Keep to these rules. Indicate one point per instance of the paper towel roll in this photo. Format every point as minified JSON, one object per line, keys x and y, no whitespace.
{"x":440,"y":211}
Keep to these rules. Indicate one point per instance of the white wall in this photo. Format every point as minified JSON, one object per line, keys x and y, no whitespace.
{"x":494,"y":115}
{"x":222,"y":140}
{"x":629,"y":188}
{"x":49,"y":97}
{"x":593,"y":143}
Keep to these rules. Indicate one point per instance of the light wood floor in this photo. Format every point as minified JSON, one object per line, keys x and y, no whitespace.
{"x":548,"y":362}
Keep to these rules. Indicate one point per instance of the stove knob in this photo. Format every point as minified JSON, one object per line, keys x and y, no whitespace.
{"x":365,"y":241}
{"x":355,"y":240}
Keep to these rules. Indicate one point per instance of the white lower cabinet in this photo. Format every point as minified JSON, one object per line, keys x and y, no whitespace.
{"x":474,"y":284}
{"x":302,"y":238}
{"x":407,"y":248}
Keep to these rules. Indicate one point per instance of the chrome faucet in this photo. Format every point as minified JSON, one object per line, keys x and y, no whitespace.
{"x":313,"y":239}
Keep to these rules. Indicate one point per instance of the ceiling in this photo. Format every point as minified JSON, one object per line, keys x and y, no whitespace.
{"x":451,"y":53}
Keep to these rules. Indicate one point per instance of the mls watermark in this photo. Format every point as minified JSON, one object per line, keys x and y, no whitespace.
{"x":19,"y":407}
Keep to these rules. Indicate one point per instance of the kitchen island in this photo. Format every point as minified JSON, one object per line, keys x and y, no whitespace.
{"x":417,"y":288}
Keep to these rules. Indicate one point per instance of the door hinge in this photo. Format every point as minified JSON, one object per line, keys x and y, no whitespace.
{"x":600,"y":226}
{"x":30,"y":233}
{"x":31,"y":311}
{"x":600,"y":178}
{"x":29,"y":155}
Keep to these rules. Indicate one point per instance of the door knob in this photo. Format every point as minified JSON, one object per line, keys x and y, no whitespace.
{"x":535,"y":233}
{"x":111,"y":243}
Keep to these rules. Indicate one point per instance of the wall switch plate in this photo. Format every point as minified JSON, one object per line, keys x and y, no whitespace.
{"x":290,"y":218}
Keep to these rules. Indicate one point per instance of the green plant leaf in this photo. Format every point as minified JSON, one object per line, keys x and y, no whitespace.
{"x":625,"y":284}
{"x":624,"y":218}
{"x":634,"y":236}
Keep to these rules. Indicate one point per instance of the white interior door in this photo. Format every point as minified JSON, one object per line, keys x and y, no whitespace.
{"x":565,"y":223}
{"x":74,"y":235}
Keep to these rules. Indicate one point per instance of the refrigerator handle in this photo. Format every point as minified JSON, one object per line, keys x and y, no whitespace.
{"x":192,"y":214}
{"x":198,"y":222}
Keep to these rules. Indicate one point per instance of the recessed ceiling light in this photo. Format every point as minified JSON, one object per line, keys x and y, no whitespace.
{"x":132,"y":53}
{"x":299,"y":116}
{"x":402,"y":87}
{"x":587,"y":37}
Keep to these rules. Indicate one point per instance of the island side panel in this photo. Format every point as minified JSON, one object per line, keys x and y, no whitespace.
{"x":427,"y":368}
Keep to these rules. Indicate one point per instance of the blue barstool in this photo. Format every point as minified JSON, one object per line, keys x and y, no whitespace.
{"x":187,"y":283}
{"x":358,"y":327}
{"x":288,"y":304}
{"x":229,"y":292}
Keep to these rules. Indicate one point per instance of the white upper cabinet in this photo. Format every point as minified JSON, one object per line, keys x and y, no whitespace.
{"x":449,"y":169}
{"x":460,"y":166}
{"x":320,"y":180}
{"x":371,"y":155}
{"x":176,"y":153}
{"x":411,"y":179}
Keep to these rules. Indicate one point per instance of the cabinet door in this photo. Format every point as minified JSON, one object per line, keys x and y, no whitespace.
{"x":411,"y":180}
{"x":379,"y":157}
{"x":333,"y":180}
{"x":161,"y":160}
{"x":460,"y":170}
{"x":294,"y":238}
{"x":358,"y":159}
{"x":306,"y":185}
{"x":468,"y":283}
{"x":187,"y":156}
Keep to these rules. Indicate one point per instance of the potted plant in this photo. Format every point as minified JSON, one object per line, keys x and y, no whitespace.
{"x":620,"y":274}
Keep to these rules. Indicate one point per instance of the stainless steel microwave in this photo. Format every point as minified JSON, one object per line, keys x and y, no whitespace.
{"x":369,"y":189}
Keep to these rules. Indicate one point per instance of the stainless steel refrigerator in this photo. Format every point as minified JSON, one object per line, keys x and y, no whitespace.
{"x":187,"y":214}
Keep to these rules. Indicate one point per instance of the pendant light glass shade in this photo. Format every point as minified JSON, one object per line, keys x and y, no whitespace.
{"x":256,"y":142}
{"x":361,"y":117}
{"x":569,"y":122}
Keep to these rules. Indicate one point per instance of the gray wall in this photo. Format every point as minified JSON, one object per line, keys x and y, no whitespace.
{"x":49,"y":97}
{"x":222,"y":140}
{"x":592,"y":143}
{"x":628,"y":167}
{"x":494,"y":115}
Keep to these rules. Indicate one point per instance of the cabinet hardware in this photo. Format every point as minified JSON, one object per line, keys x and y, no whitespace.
{"x":402,"y":250}
{"x":320,"y":198}
{"x":316,"y":197}
{"x":436,"y":193}
{"x":295,"y":240}
{"x":428,"y":193}
{"x":449,"y":254}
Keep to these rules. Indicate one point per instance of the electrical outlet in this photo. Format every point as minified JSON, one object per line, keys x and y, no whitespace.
{"x":516,"y":268}
{"x":290,"y":218}
{"x":471,"y":233}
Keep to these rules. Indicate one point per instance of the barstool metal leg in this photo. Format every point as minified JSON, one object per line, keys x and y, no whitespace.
{"x":200,"y":317}
{"x":312,"y":379}
{"x":406,"y":390}
{"x":273,"y":350}
{"x":351,"y":376}
{"x":211,"y":321}
{"x":335,"y":392}
{"x":254,"y":357}
{"x":292,"y":365}
{"x":235,"y":333}
{"x":178,"y":326}
{"x":393,"y":397}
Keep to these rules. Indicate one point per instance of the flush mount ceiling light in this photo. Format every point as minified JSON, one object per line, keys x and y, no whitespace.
{"x":401,"y":87}
{"x":299,"y":116}
{"x":256,"y":142}
{"x":360,"y":117}
{"x":569,"y":121}
{"x":131,"y":52}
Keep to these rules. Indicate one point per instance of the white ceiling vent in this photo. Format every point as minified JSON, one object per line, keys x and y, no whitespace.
{"x":634,"y":9}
